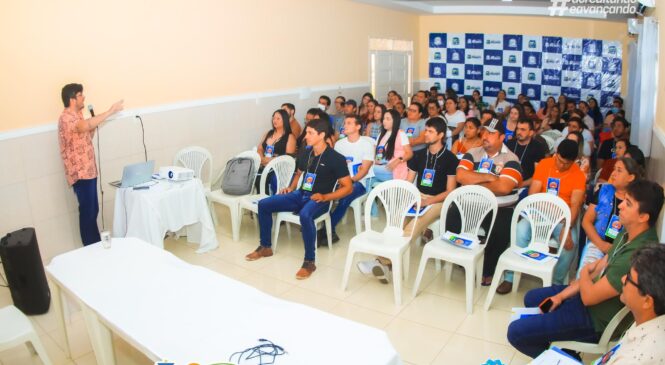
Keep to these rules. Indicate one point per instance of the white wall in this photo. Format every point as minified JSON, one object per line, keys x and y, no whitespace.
{"x":34,"y":192}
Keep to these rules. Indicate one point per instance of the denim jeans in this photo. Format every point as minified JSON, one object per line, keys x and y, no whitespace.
{"x":343,"y":204}
{"x":569,"y":322}
{"x":523,"y":237}
{"x":86,"y":194}
{"x":298,"y":202}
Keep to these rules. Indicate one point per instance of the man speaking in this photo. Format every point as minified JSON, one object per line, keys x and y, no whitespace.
{"x":75,"y":136}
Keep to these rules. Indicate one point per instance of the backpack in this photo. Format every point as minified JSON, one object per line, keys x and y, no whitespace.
{"x":239,"y":175}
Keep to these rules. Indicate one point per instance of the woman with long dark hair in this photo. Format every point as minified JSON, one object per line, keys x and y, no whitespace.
{"x":392,"y":149}
{"x":374,"y":125}
{"x":277,"y":141}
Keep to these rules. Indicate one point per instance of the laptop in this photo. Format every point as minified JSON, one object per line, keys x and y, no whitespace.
{"x":135,"y":174}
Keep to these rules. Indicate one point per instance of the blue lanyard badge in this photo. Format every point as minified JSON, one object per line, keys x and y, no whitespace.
{"x":460,"y":155}
{"x":355,"y":168}
{"x":308,"y":183}
{"x":409,"y":132}
{"x":485,"y":166}
{"x":614,"y":227}
{"x":270,"y":150}
{"x":379,"y":153}
{"x":553,"y":185}
{"x":341,"y":133}
{"x":608,"y":355}
{"x":428,"y":178}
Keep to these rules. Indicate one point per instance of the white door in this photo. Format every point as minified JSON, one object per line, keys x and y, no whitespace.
{"x":390,"y":70}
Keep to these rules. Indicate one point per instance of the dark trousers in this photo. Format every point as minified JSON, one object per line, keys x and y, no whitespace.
{"x":298,"y":202}
{"x":569,"y":322}
{"x":86,"y":193}
{"x":499,"y":240}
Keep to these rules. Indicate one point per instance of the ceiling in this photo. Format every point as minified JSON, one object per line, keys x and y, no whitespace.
{"x":496,"y":7}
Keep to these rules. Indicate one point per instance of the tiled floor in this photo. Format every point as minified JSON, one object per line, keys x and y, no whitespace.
{"x":432,"y":328}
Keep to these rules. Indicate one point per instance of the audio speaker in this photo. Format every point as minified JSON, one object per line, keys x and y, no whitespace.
{"x":22,"y":262}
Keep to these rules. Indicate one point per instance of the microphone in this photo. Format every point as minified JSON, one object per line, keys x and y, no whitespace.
{"x":91,"y":110}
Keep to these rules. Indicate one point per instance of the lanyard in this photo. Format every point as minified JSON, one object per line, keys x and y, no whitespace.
{"x":523,"y":152}
{"x":615,"y":205}
{"x":620,"y":246}
{"x":435,"y":159}
{"x":309,"y":160}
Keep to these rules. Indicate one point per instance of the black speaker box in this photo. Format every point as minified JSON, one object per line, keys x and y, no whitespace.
{"x":22,"y":262}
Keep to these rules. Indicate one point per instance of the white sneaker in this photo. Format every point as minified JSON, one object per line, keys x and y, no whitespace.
{"x":365,"y":267}
{"x":381,"y":272}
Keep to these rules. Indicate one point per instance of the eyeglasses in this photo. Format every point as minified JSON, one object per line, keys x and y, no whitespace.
{"x":629,"y":279}
{"x":413,"y":110}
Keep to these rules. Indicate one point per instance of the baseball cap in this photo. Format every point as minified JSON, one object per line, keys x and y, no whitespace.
{"x":494,"y":125}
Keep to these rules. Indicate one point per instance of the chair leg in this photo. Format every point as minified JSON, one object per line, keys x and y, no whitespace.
{"x":213,"y":213}
{"x":547,"y":281}
{"x":328,"y":224}
{"x":479,"y":271}
{"x":517,"y":276}
{"x":437,"y":265}
{"x":419,"y":275}
{"x":406,"y":259}
{"x":347,"y":268}
{"x":397,"y":280}
{"x":288,"y":229}
{"x":469,"y":273}
{"x":495,"y":283}
{"x":35,"y":345}
{"x":278,"y":222}
{"x":357,"y":216}
{"x":235,"y":222}
{"x":448,"y":271}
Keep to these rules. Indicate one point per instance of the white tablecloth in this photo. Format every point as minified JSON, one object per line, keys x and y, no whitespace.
{"x":185,"y":313}
{"x":166,"y":206}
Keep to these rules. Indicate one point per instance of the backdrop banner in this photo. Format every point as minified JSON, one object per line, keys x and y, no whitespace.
{"x":536,"y":66}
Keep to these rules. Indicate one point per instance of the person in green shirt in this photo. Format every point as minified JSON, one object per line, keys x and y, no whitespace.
{"x":581,"y":310}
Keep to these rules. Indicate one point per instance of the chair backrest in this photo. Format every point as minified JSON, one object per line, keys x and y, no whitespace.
{"x":474,"y":202}
{"x":550,"y":142}
{"x":397,"y":196}
{"x":608,"y":333}
{"x":544,"y":211}
{"x":283,"y":166}
{"x":553,"y":133}
{"x":195,"y":158}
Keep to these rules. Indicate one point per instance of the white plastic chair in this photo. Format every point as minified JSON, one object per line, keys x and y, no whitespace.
{"x":289,"y":217}
{"x":16,"y":329}
{"x":544,"y":212}
{"x":553,"y":134}
{"x":397,"y":196}
{"x":474,"y":202}
{"x":604,"y":344}
{"x":550,"y":143}
{"x":195,"y":158}
{"x":231,"y":201}
{"x":283,"y":167}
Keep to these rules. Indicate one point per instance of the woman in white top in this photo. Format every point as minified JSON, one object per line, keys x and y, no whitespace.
{"x":455,"y":119}
{"x":501,"y":105}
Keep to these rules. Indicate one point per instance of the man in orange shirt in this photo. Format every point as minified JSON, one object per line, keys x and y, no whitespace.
{"x":558,"y":175}
{"x":78,"y":155}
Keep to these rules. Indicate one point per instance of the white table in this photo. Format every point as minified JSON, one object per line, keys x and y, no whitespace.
{"x":167,"y":206}
{"x":172,"y":310}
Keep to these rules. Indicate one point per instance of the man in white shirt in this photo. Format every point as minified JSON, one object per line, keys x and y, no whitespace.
{"x":359,"y":155}
{"x":644,"y":294}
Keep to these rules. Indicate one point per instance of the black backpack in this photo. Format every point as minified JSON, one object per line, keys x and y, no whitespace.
{"x":239,"y":175}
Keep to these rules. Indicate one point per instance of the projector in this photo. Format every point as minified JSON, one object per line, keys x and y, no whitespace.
{"x":176,"y":173}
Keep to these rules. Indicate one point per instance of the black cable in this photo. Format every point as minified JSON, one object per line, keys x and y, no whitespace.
{"x":101,"y":187}
{"x":259,"y":351}
{"x":145,"y":150}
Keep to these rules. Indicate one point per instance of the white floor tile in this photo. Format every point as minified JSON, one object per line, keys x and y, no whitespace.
{"x":463,"y":350}
{"x":416,"y":343}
